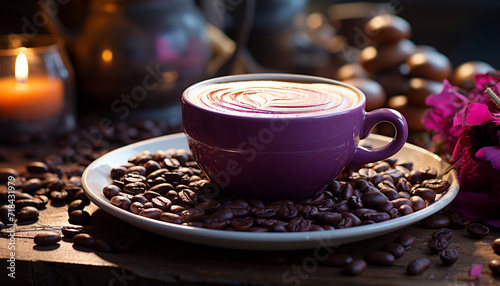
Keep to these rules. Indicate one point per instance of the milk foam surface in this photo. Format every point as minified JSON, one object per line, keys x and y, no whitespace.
{"x":272,"y":98}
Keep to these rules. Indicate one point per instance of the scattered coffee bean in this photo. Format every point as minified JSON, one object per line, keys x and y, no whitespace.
{"x":448,"y":256}
{"x":457,"y":220}
{"x":436,"y":221}
{"x":405,"y":240}
{"x":337,"y":260}
{"x":5,"y":173}
{"x":477,"y":230}
{"x":103,"y":245}
{"x":418,"y":266}
{"x":379,"y":258}
{"x":79,"y":217}
{"x":394,"y":248}
{"x":494,"y":266}
{"x":76,"y":205}
{"x":442,"y":233}
{"x":436,"y":245}
{"x":71,"y":230}
{"x":47,"y":238}
{"x":355,"y":267}
{"x":84,"y":239}
{"x":28,"y":213}
{"x":495,"y":245}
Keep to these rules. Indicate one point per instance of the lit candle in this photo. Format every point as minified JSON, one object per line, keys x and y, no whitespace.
{"x":29,"y":98}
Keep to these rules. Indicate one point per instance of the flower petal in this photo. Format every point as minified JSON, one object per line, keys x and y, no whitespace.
{"x":476,"y":114}
{"x":491,"y":154}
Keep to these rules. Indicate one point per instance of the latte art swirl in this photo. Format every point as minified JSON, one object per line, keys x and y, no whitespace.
{"x":274,"y":98}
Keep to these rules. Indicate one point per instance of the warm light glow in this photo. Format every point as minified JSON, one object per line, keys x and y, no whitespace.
{"x":315,"y":21}
{"x":107,"y":55}
{"x":21,"y":69}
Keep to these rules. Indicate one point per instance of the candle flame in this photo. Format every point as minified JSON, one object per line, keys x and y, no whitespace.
{"x":21,"y":69}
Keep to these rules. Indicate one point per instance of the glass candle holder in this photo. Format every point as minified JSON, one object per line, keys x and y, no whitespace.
{"x":37,"y":96}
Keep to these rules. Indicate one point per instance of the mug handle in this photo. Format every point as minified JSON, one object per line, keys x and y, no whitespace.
{"x":363,"y":155}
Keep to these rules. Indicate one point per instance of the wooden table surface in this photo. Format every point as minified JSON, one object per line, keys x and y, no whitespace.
{"x":157,"y":260}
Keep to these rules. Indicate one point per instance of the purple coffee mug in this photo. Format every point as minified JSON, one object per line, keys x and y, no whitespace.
{"x":287,"y":157}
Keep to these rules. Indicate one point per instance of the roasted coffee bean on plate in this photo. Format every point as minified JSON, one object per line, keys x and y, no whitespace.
{"x":169,"y":186}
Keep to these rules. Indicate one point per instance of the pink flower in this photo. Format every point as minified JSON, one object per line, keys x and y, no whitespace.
{"x":492,"y":154}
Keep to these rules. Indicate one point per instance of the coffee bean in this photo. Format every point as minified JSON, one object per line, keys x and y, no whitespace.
{"x":135,"y":188}
{"x":377,"y":216}
{"x":495,"y":245}
{"x":6,"y":173}
{"x":405,"y":210}
{"x":120,"y":201}
{"x":381,"y":167}
{"x":371,"y":199}
{"x":337,"y":260}
{"x":31,"y":185}
{"x":355,"y":220}
{"x":28,"y":213}
{"x":403,"y":185}
{"x":42,"y":199}
{"x":405,"y":240}
{"x":76,"y":205}
{"x":71,"y":230}
{"x":384,"y":206}
{"x":19,"y":204}
{"x":494,"y":266}
{"x":272,"y":225}
{"x":401,"y":201}
{"x":118,"y":172}
{"x":417,"y":203}
{"x":477,"y":230}
{"x":84,"y":239}
{"x":457,"y":220}
{"x":436,"y":245}
{"x":79,"y":217}
{"x":442,"y":233}
{"x":215,"y":223}
{"x":436,"y":221}
{"x":425,"y":193}
{"x":153,"y":213}
{"x":47,"y":238}
{"x":110,"y":191}
{"x":428,"y":173}
{"x":418,"y":266}
{"x":328,"y":218}
{"x":171,"y":218}
{"x":355,"y":267}
{"x":37,"y":167}
{"x":299,"y":224}
{"x":448,"y":256}
{"x":394,"y":248}
{"x":242,"y":224}
{"x":193,"y":214}
{"x":437,"y":185}
{"x":162,"y":203}
{"x":103,"y":245}
{"x":379,"y":258}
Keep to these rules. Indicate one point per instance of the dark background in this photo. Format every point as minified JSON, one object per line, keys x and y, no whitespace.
{"x":461,"y":29}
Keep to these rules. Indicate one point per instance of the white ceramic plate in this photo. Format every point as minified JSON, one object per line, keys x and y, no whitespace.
{"x":96,"y":176}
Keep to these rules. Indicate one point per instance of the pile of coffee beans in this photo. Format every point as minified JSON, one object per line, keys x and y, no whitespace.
{"x":393,"y":71}
{"x":169,"y":186}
